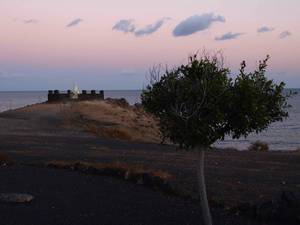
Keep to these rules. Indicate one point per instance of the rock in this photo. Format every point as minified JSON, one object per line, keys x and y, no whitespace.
{"x":15,"y":198}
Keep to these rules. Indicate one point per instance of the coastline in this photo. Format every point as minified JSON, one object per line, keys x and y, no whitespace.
{"x":279,"y":136}
{"x":40,"y":133}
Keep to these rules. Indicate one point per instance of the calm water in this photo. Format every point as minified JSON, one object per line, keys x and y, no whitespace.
{"x":280,"y":136}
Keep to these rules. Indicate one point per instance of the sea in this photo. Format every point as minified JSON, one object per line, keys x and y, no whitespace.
{"x":283,"y":135}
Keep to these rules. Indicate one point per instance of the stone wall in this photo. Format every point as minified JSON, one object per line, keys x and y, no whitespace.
{"x":57,"y":96}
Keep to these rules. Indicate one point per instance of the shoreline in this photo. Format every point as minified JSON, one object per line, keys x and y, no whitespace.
{"x":217,"y":145}
{"x":280,"y":136}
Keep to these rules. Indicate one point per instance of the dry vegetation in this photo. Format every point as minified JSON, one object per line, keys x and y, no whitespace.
{"x":127,"y":170}
{"x":138,"y":174}
{"x":3,"y":158}
{"x":113,"y":120}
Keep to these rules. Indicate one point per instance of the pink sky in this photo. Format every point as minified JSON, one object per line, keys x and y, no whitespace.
{"x":45,"y":54}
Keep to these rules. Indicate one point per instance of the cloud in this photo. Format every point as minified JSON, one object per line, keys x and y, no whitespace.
{"x":284,"y":34}
{"x":196,"y":23}
{"x":265,"y":29}
{"x":151,"y":28}
{"x":26,"y":21}
{"x":30,"y":21}
{"x":128,"y":26}
{"x":74,"y":22}
{"x":228,"y":36}
{"x":9,"y":75}
{"x":128,"y":72}
{"x":125,"y":26}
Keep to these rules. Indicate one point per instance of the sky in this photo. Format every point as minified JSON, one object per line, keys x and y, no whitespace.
{"x":52,"y":44}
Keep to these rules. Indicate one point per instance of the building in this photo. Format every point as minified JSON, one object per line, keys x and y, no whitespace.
{"x":57,"y":96}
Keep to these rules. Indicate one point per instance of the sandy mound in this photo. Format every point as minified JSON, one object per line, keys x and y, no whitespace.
{"x":113,"y":119}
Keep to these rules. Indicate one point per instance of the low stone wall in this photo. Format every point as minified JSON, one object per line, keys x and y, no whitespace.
{"x":57,"y":96}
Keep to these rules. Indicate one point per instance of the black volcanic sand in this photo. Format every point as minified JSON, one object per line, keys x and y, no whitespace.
{"x":36,"y":135}
{"x":64,"y":197}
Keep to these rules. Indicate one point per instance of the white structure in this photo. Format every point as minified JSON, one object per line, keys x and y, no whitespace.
{"x":75,"y":92}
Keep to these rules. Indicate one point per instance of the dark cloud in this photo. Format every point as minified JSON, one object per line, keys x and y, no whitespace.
{"x":31,"y":21}
{"x":74,"y":22}
{"x":228,"y":36}
{"x":265,"y":29}
{"x":128,"y":26}
{"x":125,"y":26}
{"x":196,"y":23}
{"x":151,"y":28}
{"x":284,"y":34}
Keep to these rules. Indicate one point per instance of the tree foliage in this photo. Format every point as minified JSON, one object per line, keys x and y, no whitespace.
{"x":198,"y":103}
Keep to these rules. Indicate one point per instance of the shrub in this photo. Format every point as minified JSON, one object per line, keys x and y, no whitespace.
{"x":259,"y":146}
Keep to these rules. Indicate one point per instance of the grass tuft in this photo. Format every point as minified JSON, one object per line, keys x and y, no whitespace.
{"x":259,"y":146}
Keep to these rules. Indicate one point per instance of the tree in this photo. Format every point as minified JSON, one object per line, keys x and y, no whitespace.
{"x":198,"y":104}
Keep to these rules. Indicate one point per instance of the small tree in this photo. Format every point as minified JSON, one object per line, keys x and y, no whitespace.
{"x":198,"y":104}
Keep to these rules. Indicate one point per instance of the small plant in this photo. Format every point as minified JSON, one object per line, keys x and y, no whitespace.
{"x":259,"y":146}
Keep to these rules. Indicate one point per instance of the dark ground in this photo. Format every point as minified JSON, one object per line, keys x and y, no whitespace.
{"x":66,"y":198}
{"x":36,"y":136}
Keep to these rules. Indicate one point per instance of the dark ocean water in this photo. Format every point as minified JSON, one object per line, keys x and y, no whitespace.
{"x":280,"y":136}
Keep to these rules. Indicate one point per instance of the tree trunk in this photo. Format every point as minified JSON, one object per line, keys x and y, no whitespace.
{"x":202,"y":189}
